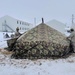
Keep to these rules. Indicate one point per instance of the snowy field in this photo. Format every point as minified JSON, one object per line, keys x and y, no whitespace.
{"x":8,"y":66}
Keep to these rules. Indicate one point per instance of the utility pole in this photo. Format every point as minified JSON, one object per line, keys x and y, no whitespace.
{"x":72,"y":19}
{"x":34,"y":21}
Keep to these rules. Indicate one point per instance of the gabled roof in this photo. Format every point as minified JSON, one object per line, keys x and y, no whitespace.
{"x":7,"y":16}
{"x":56,"y":25}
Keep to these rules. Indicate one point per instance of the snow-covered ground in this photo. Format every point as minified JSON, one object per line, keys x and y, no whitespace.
{"x":3,"y":42}
{"x":8,"y":66}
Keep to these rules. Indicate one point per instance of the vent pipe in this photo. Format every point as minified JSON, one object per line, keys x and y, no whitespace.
{"x":42,"y":20}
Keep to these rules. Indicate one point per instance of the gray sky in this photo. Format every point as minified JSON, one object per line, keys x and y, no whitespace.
{"x":27,"y":10}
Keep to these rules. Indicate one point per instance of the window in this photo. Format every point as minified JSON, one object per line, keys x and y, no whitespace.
{"x":17,"y":22}
{"x":28,"y":24}
{"x":25,"y":28}
{"x":20,"y":28}
{"x":5,"y":21}
{"x":20,"y":22}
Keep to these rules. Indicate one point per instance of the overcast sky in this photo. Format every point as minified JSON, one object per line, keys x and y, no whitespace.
{"x":27,"y":10}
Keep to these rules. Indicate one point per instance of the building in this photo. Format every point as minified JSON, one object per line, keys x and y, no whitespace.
{"x":9,"y":24}
{"x":59,"y":26}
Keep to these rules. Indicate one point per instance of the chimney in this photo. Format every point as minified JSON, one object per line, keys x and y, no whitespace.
{"x":42,"y":20}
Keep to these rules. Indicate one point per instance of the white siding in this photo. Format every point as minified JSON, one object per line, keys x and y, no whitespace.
{"x":12,"y":23}
{"x":57,"y":25}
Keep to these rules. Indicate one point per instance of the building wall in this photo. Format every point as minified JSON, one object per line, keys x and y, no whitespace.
{"x":8,"y":23}
{"x":59,"y":26}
